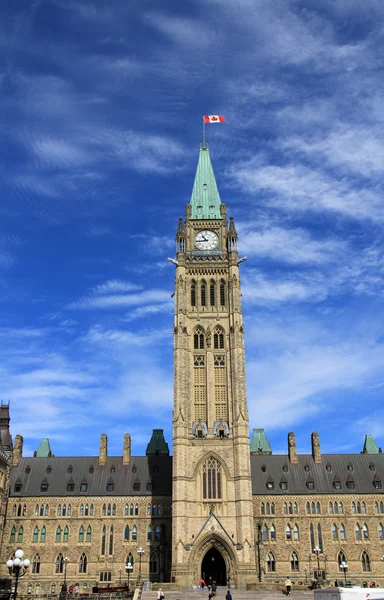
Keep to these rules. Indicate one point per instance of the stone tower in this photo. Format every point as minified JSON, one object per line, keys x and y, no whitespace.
{"x":212,"y":529}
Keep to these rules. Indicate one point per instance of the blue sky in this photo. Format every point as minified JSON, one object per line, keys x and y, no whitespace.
{"x":100,"y":112}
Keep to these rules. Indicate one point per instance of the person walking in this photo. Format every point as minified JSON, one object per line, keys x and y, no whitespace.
{"x":288,"y":586}
{"x":202,"y":584}
{"x":160,"y":595}
{"x":228,"y":595}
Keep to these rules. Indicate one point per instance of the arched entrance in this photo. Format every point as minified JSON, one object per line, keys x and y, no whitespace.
{"x":213,"y":567}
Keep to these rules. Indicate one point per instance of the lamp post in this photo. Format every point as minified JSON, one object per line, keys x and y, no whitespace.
{"x":317,"y":551}
{"x":128,"y":568}
{"x":140,"y":552}
{"x":344,"y":568}
{"x":18,"y":567}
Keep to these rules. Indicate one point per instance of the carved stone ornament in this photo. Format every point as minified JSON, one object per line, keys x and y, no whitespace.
{"x":208,"y":336}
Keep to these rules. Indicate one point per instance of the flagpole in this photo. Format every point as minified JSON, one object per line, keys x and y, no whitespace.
{"x":203,"y":132}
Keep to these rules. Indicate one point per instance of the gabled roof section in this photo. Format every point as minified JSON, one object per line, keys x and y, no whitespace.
{"x":205,"y":199}
{"x":370,"y":446}
{"x":44,"y":450}
{"x":157,"y":445}
{"x":260,"y":444}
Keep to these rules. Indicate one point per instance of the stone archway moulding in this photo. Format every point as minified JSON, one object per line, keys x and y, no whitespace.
{"x":212,"y":540}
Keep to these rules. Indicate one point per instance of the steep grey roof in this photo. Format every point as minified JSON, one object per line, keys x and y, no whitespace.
{"x":297,"y":476}
{"x":32,"y":471}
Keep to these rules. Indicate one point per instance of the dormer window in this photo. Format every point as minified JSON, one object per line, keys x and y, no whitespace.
{"x":70,"y":469}
{"x":18,"y":486}
{"x":83,"y":486}
{"x":49,"y":469}
{"x":350,"y":483}
{"x":134,"y":469}
{"x":91,"y":469}
{"x":263,"y":468}
{"x":136,"y":486}
{"x":371,"y":466}
{"x":270,"y":483}
{"x":44,"y":487}
{"x":306,"y":467}
{"x":377,"y":483}
{"x":149,"y":486}
{"x":310,"y":483}
{"x":350,"y":467}
{"x":285,"y":467}
{"x":328,"y":467}
{"x":113,"y":469}
{"x":27,"y":469}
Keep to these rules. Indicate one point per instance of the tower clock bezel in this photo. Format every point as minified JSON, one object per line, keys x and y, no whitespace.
{"x":206,"y":239}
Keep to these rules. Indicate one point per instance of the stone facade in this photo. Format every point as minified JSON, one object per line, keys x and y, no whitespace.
{"x":220,"y":508}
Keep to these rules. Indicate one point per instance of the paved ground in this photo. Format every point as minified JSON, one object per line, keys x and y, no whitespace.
{"x":236,"y":595}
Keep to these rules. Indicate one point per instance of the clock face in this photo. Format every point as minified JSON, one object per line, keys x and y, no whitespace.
{"x":206,"y":240}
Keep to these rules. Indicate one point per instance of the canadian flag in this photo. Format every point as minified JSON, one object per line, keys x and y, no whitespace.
{"x":213,"y":119}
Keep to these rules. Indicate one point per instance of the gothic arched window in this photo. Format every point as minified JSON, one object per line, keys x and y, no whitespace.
{"x":157,"y":533}
{"x":149,"y":533}
{"x":271,"y":564}
{"x":126,"y":510}
{"x":312,"y":535}
{"x":381,"y":531}
{"x":58,"y":534}
{"x":35,"y":534}
{"x":153,"y":563}
{"x":111,"y":541}
{"x":212,"y":293}
{"x":43,"y":534}
{"x":218,"y":339}
{"x":330,"y":508}
{"x":198,"y":339}
{"x":81,"y":534}
{"x":89,"y":533}
{"x":341,"y":559}
{"x":126,"y":533}
{"x":222,"y":293}
{"x":36,"y":564}
{"x":294,"y":562}
{"x":103,"y":540}
{"x":358,"y":531}
{"x":134,"y":533}
{"x":273,"y":532}
{"x":131,"y":510}
{"x":288,"y":532}
{"x":365,"y":561}
{"x":20,"y":535}
{"x":65,"y":510}
{"x":342,"y":531}
{"x":203,"y":293}
{"x":59,"y":563}
{"x":83,"y":563}
{"x":296,"y":535}
{"x":211,"y":472}
{"x":335,"y":533}
{"x":13,"y":534}
{"x":265,"y":533}
{"x":365,"y":531}
{"x":193,"y":293}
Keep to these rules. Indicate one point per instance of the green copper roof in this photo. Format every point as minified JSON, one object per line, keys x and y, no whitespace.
{"x":44,"y":450}
{"x":370,"y":446}
{"x":157,"y":444}
{"x":205,"y":199}
{"x":260,"y":444}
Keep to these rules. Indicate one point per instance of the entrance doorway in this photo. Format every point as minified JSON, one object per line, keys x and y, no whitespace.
{"x":213,"y":568}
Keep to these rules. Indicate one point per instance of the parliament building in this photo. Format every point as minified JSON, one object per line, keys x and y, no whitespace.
{"x":223,"y":506}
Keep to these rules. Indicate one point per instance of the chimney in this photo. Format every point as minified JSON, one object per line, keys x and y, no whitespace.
{"x":127,"y":449}
{"x":17,"y":450}
{"x":292,"y":455}
{"x":103,"y":453}
{"x":316,"y":447}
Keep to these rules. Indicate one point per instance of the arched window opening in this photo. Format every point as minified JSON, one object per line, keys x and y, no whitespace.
{"x":318,"y":508}
{"x":358,"y":531}
{"x":35,"y":535}
{"x":103,"y":540}
{"x":159,"y":510}
{"x":262,"y":508}
{"x":365,"y":561}
{"x":36,"y":564}
{"x":296,"y":535}
{"x":20,"y":535}
{"x":358,"y":508}
{"x":81,"y":534}
{"x":157,"y":533}
{"x":126,"y":533}
{"x":365,"y":531}
{"x":58,"y":534}
{"x":212,"y":293}
{"x":335,"y":533}
{"x":285,"y":508}
{"x":330,"y":508}
{"x":272,"y":531}
{"x":193,"y":293}
{"x":218,"y":339}
{"x":294,"y":563}
{"x":265,"y":533}
{"x":198,"y":339}
{"x":149,"y":533}
{"x":89,"y":533}
{"x":134,"y":533}
{"x":153,"y":563}
{"x":136,"y":510}
{"x":288,"y":533}
{"x":130,"y":559}
{"x":363,"y":508}
{"x":111,"y":541}
{"x":341,"y":508}
{"x":308,"y":508}
{"x":211,"y":479}
{"x":114,"y":510}
{"x":83,"y":563}
{"x":43,"y":534}
{"x":81,"y":513}
{"x":353,"y":508}
{"x":14,"y":510}
{"x":42,"y":510}
{"x":154,"y":509}
{"x":104,"y":510}
{"x":341,"y":559}
{"x":342,"y":532}
{"x":381,"y":531}
{"x":19,"y":510}
{"x":58,"y":510}
{"x":46,"y":510}
{"x":65,"y":510}
{"x":12,"y":535}
{"x":222,"y":293}
{"x":203,"y":294}
{"x":271,"y":565}
{"x":86,"y":510}
{"x":376,"y":508}
{"x":295,"y":509}
{"x":109,"y":510}
{"x":131,"y":510}
{"x":320,"y":537}
{"x":126,"y":510}
{"x":59,"y":563}
{"x":312,"y":536}
{"x":336,"y":508}
{"x":313,"y":508}
{"x":290,"y":509}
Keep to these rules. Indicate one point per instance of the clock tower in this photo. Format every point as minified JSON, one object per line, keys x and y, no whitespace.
{"x":212,"y":514}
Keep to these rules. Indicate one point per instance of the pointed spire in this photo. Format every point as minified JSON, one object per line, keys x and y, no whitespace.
{"x":205,"y":199}
{"x":157,"y":444}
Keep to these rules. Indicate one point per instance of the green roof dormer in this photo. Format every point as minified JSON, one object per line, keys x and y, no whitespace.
{"x":205,"y":199}
{"x":260,"y":444}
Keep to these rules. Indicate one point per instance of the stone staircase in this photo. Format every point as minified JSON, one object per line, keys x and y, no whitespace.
{"x":191,"y":594}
